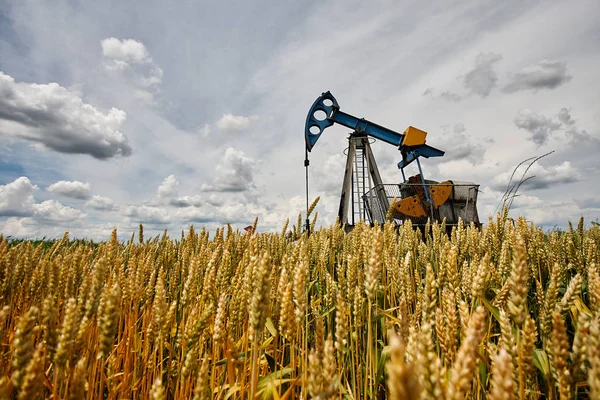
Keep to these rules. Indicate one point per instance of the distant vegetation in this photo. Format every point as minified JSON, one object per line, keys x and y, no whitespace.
{"x":504,"y":312}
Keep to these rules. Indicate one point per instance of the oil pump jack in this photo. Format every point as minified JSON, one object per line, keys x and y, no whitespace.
{"x":364,"y":196}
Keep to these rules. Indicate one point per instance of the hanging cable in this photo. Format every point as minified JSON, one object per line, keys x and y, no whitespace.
{"x":306,"y":164}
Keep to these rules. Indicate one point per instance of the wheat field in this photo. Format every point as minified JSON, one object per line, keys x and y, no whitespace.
{"x":504,"y":312}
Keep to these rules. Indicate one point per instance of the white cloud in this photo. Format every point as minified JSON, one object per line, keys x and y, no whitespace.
{"x":543,"y":212}
{"x":20,"y":227}
{"x":187,"y":201}
{"x":101,"y":203}
{"x":168,"y":187}
{"x":234,"y":123}
{"x":147,"y":214}
{"x":58,"y":119}
{"x":127,"y":50}
{"x":213,"y":199}
{"x":545,"y":75}
{"x":233,"y":174}
{"x":16,"y":198}
{"x":74,"y":189}
{"x":548,"y":213}
{"x":53,"y":211}
{"x":131,"y":57}
{"x":541,"y":177}
{"x":167,"y":195}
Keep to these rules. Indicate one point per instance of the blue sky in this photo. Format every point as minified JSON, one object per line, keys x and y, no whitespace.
{"x":180,"y":113}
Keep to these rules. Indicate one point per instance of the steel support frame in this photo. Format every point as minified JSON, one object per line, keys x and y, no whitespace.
{"x":359,"y":140}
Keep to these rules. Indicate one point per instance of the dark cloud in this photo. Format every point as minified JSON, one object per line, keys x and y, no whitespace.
{"x":538,"y":125}
{"x":482,"y":79}
{"x":589,"y":202}
{"x":545,"y":75}
{"x":53,"y":116}
{"x":451,"y":96}
{"x":578,"y":138}
{"x":541,"y":128}
{"x":582,"y":139}
{"x":564,"y":116}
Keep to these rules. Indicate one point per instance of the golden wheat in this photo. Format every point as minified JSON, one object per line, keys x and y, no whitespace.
{"x":505,"y":311}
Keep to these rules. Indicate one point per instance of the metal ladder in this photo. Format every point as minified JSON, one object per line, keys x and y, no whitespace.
{"x":361,"y":185}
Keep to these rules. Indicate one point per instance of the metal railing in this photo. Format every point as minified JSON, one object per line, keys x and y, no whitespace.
{"x":462,"y":203}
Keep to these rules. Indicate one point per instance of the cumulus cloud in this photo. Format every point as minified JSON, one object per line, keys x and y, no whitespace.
{"x":148,"y":214}
{"x":167,"y":194}
{"x":131,"y":57}
{"x":213,"y":200}
{"x":101,"y":203}
{"x":541,"y":177}
{"x":127,"y":50}
{"x":53,"y":211}
{"x":541,"y":211}
{"x":538,"y":125}
{"x":168,"y":187}
{"x":74,"y":189}
{"x":20,"y":227}
{"x":234,"y":123}
{"x":187,"y":201}
{"x":51,"y":115}
{"x":482,"y":79}
{"x":233,"y":174}
{"x":16,"y":198}
{"x":545,"y":75}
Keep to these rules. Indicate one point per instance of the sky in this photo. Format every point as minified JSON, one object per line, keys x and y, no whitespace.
{"x":174,"y":114}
